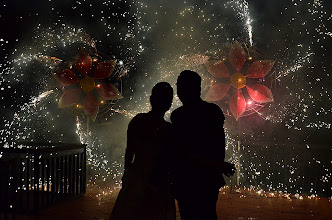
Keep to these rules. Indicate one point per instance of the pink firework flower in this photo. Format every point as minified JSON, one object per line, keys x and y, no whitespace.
{"x":257,"y":92}
{"x":79,"y":83}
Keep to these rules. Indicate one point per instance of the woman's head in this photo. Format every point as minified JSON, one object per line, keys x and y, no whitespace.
{"x":161,"y":97}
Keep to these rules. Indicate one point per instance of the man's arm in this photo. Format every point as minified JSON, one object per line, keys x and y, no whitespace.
{"x":226,"y":168}
{"x":215,"y":160}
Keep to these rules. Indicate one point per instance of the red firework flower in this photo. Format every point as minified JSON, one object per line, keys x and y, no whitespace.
{"x":257,"y":92}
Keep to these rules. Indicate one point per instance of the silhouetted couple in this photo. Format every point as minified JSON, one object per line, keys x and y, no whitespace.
{"x":183,"y":160}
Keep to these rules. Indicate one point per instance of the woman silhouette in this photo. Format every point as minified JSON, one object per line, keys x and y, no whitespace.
{"x":145,"y":193}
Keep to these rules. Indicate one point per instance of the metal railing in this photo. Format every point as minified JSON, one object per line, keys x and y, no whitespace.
{"x":36,"y":175}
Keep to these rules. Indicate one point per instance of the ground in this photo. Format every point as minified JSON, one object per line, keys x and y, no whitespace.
{"x":232,"y":204}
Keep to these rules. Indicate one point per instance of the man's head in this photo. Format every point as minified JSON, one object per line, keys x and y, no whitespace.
{"x":189,"y":86}
{"x":161,"y":97}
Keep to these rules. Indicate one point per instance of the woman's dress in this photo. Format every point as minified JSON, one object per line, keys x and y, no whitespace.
{"x":145,"y":193}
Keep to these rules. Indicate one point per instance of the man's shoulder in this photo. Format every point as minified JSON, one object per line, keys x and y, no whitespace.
{"x":178,"y":110}
{"x":212,"y":107}
{"x":213,"y":110}
{"x":177,"y":113}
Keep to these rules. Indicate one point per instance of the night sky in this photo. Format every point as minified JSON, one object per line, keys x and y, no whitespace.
{"x":155,"y":40}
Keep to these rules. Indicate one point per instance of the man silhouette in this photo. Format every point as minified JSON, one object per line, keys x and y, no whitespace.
{"x":199,"y":150}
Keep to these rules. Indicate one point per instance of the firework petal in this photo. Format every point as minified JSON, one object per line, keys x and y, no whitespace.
{"x":237,"y":56}
{"x":217,"y":69}
{"x":84,"y":63}
{"x":217,"y":92}
{"x":69,"y":97}
{"x":260,"y":93}
{"x":237,"y":104}
{"x":108,"y":92}
{"x":91,"y":106}
{"x":259,"y":68}
{"x":104,"y":69}
{"x":66,"y":77}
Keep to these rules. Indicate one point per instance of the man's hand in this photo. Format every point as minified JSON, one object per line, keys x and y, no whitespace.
{"x":228,"y":169}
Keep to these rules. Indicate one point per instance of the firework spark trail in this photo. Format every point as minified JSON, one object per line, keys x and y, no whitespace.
{"x":131,"y":114}
{"x":8,"y":136}
{"x":298,"y":64}
{"x":97,"y":162}
{"x":192,"y":60}
{"x":45,"y":41}
{"x":241,"y":7}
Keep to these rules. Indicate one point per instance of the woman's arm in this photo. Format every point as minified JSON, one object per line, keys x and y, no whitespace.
{"x":131,"y":141}
{"x":129,"y":157}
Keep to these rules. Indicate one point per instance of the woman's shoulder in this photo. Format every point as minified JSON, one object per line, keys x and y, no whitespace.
{"x":139,"y":116}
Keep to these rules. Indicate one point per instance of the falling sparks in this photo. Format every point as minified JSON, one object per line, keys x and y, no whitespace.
{"x":241,"y":7}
